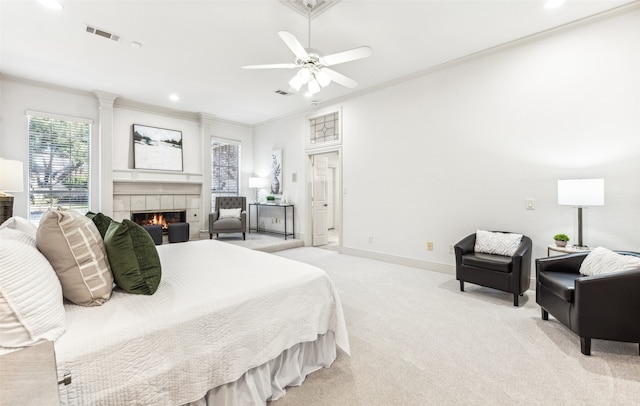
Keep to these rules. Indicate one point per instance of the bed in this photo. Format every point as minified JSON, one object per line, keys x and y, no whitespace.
{"x":227,"y":325}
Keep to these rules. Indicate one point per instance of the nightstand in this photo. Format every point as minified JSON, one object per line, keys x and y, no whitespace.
{"x":569,"y":249}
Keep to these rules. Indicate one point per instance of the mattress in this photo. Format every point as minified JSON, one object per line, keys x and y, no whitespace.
{"x":219,"y":311}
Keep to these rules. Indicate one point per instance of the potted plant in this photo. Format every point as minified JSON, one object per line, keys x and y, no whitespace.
{"x":271,"y":199}
{"x":561,"y":239}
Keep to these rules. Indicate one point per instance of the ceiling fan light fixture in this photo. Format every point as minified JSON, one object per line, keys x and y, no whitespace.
{"x":313,"y":86}
{"x":322,"y":78}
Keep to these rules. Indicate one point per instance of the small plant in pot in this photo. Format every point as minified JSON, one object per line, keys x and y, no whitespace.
{"x":561,"y":240}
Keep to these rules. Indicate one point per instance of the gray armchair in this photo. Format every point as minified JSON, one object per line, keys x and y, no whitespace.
{"x":228,"y":225}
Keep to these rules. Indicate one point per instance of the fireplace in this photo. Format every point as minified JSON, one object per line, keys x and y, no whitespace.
{"x":163,"y":218}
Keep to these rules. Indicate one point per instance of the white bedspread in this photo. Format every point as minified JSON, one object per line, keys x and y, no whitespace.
{"x":219,"y":311}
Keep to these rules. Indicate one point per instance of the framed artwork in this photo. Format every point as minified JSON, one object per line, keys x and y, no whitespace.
{"x":276,"y":172}
{"x":156,"y":148}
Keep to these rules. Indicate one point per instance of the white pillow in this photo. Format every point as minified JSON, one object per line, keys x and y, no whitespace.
{"x":498,"y":243}
{"x":602,"y":260}
{"x":21,"y":224}
{"x":31,"y":307}
{"x":230,"y":213}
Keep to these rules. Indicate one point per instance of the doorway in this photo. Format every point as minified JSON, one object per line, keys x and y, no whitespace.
{"x":325,"y":204}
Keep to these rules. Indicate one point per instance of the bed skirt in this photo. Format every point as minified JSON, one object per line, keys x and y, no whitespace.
{"x":269,"y":380}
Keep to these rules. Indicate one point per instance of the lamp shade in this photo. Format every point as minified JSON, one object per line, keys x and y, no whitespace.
{"x":581,"y":192}
{"x":257,"y":183}
{"x":11,"y":175}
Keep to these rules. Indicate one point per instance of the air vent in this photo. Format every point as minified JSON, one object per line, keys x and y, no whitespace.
{"x":283,"y":93}
{"x":103,"y":33}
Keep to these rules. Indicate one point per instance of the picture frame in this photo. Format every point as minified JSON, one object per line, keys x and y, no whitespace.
{"x":275,"y":177}
{"x":156,"y":148}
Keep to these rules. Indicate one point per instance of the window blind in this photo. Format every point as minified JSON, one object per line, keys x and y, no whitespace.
{"x":225,"y":170}
{"x":59,"y":164}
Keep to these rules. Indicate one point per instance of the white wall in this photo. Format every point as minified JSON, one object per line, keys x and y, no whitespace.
{"x":435,"y":158}
{"x":17,"y":96}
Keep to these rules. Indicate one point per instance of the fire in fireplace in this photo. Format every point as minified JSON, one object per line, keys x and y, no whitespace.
{"x":163,"y":218}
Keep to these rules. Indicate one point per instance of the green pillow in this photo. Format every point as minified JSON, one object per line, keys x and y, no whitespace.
{"x":101,"y":221}
{"x":133,"y":257}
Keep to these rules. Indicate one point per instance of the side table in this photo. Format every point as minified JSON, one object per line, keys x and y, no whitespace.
{"x":569,"y":249}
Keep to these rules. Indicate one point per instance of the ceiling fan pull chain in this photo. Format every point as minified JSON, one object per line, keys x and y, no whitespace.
{"x":309,"y":16}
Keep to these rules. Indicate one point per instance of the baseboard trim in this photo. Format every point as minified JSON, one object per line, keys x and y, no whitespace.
{"x":414,"y":263}
{"x":394,"y":259}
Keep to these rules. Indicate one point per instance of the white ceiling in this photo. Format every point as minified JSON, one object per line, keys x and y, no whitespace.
{"x":195,"y":48}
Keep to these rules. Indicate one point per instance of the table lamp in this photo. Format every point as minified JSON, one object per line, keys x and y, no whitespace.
{"x":10,"y":181}
{"x":581,"y":193}
{"x":257,"y":184}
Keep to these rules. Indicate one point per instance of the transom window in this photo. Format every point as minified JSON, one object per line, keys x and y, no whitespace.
{"x":324,"y":128}
{"x":59,"y":164}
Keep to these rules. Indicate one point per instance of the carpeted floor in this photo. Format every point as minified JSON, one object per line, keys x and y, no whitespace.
{"x":417,"y":340}
{"x":261,"y":241}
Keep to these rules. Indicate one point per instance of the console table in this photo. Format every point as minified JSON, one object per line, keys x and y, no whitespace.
{"x":285,"y":210}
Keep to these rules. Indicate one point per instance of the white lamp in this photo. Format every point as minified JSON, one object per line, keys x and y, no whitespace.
{"x":581,"y":193}
{"x":257,"y":183}
{"x":10,"y":181}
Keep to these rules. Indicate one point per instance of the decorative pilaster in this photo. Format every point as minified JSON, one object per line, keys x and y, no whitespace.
{"x":105,"y":135}
{"x":206,"y":128}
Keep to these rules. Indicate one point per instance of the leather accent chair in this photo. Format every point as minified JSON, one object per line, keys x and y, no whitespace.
{"x":508,"y":274}
{"x":605,"y":306}
{"x":228,"y":225}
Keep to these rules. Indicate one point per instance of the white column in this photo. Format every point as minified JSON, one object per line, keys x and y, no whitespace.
{"x":206,"y":123}
{"x":105,"y":134}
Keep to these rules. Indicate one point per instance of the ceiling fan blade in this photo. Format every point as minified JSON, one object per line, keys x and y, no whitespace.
{"x":346,"y":56}
{"x":339,"y":78}
{"x":294,"y":45}
{"x":272,"y":66}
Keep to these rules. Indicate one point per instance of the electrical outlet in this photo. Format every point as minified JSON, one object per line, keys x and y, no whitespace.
{"x":429,"y":246}
{"x":451,"y":250}
{"x":370,"y":239}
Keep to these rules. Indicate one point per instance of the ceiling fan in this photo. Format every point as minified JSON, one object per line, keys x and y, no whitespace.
{"x":313,"y":66}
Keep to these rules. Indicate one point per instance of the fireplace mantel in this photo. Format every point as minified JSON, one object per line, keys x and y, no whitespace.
{"x":150,"y":176}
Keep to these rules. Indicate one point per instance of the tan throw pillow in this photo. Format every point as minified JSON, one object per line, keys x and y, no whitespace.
{"x":74,"y":247}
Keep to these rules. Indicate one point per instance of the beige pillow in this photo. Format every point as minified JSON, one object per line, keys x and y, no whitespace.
{"x":74,"y":247}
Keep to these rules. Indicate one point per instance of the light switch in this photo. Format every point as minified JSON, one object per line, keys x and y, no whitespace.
{"x":530,"y":203}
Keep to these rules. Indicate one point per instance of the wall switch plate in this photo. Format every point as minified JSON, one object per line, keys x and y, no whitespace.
{"x":530,"y":203}
{"x":294,"y":177}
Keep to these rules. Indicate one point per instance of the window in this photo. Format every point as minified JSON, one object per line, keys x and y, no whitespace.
{"x":324,"y":128}
{"x":225,"y":175}
{"x":59,"y":163}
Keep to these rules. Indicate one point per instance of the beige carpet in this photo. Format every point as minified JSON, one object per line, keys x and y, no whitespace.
{"x":261,"y":241}
{"x":417,"y":340}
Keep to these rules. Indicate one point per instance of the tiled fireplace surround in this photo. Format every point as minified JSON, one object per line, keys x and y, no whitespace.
{"x":129,"y":197}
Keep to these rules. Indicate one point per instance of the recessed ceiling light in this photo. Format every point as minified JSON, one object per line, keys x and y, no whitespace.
{"x":174,"y":97}
{"x":553,"y":3}
{"x":51,"y":4}
{"x":135,"y":44}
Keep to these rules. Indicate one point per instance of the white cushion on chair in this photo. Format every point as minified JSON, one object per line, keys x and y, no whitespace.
{"x":602,"y":260}
{"x":497,"y":243}
{"x":230,"y":213}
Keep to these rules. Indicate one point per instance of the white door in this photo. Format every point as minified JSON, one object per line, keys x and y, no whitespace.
{"x":330,"y":198}
{"x":319,"y":201}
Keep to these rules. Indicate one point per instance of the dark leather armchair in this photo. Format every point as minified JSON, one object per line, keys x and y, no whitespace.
{"x":228,"y":225}
{"x":509,"y":274}
{"x":605,"y":306}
